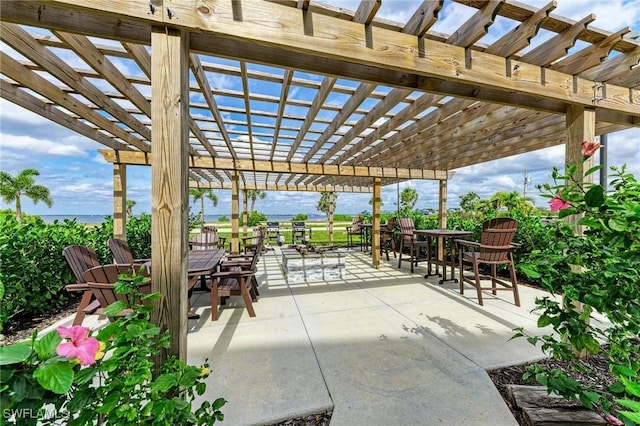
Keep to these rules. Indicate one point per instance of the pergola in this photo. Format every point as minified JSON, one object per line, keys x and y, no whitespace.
{"x":359,"y":102}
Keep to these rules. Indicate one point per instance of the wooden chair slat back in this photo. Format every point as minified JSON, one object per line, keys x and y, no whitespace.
{"x":497,"y":233}
{"x":407,"y":228}
{"x":204,"y":241}
{"x":391,"y":225}
{"x":80,"y":258}
{"x":120,"y":251}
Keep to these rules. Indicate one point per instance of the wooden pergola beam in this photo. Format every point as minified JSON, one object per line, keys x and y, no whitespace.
{"x":283,"y":187}
{"x":217,"y":163}
{"x":393,"y":58}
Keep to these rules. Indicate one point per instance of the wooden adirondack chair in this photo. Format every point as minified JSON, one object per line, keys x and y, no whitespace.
{"x":495,"y":248}
{"x":101,"y":279}
{"x":207,"y":239}
{"x":122,"y":253}
{"x":80,"y":258}
{"x":410,"y":240}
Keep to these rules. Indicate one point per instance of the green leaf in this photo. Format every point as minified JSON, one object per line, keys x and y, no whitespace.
{"x":630,"y":386}
{"x":616,"y":387}
{"x":617,"y":224}
{"x":543,"y":321}
{"x":55,"y":376}
{"x":110,"y":402}
{"x":632,"y":405}
{"x":165,"y":382}
{"x":635,"y":417}
{"x":594,"y":196}
{"x":218,"y":403}
{"x":531,"y":271}
{"x":588,"y":398}
{"x":115,"y":308}
{"x":46,"y":346}
{"x":15,"y":353}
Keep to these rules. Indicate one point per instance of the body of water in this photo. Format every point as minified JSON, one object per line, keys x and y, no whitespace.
{"x":96,"y":218}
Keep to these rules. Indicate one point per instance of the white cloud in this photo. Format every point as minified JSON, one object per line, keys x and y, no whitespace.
{"x":42,"y":147}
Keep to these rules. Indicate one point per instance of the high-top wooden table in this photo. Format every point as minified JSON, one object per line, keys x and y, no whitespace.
{"x":440,"y":235}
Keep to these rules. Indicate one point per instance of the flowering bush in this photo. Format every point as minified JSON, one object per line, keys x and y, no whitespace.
{"x":597,"y":272}
{"x":103,"y":379}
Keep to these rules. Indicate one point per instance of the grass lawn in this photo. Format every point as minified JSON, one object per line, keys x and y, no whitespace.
{"x":319,"y":232}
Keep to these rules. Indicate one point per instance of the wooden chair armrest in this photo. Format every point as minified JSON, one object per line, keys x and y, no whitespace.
{"x":227,"y":274}
{"x":467,"y":243}
{"x":77,"y":287}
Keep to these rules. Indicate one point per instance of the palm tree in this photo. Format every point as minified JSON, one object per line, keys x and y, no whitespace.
{"x":12,"y":188}
{"x":408,"y":198}
{"x":130,"y":205}
{"x":512,"y":201}
{"x":254,"y":194}
{"x":469,"y":201}
{"x":323,"y":202}
{"x":201,"y":194}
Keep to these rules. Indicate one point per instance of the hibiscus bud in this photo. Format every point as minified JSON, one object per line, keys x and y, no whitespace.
{"x":589,"y":148}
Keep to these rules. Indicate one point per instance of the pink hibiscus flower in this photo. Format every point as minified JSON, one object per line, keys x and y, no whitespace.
{"x":589,"y":148}
{"x":80,"y":346}
{"x":557,"y":203}
{"x":612,"y":420}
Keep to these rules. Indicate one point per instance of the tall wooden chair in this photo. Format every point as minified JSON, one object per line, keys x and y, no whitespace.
{"x":355,"y":229}
{"x":236,"y":278}
{"x":409,"y":240}
{"x":387,"y":238}
{"x":255,"y":241}
{"x":80,"y":258}
{"x":495,"y":248}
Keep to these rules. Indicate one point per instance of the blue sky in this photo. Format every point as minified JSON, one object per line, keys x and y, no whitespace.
{"x":81,"y":182}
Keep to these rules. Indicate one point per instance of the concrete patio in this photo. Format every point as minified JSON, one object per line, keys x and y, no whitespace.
{"x":380,"y":347}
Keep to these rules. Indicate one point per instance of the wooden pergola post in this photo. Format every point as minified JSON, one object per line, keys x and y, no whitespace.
{"x":442,"y":203}
{"x":169,"y":184}
{"x":375,"y":229}
{"x":442,"y":216}
{"x":332,"y":204}
{"x":235,"y":207}
{"x":245,"y":215}
{"x":581,"y":126}
{"x":120,"y":201}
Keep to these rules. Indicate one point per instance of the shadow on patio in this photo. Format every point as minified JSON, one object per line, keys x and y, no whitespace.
{"x":378,"y":347}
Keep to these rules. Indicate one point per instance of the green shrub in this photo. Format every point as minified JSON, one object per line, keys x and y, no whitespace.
{"x":300,"y":217}
{"x":33,"y":270}
{"x":223,"y":219}
{"x":341,"y":217}
{"x":254,"y":219}
{"x":597,"y":272}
